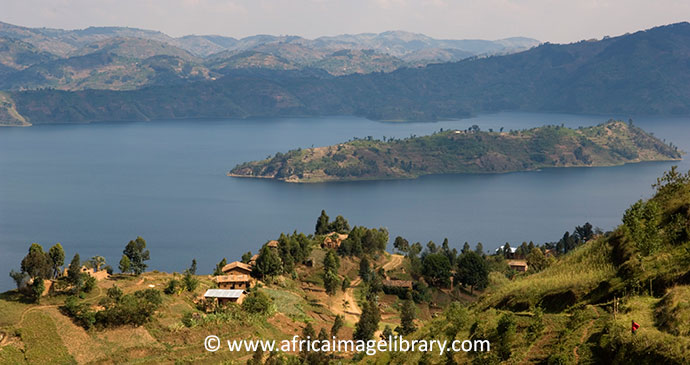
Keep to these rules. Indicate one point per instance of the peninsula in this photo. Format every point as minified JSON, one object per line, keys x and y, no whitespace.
{"x":464,"y":151}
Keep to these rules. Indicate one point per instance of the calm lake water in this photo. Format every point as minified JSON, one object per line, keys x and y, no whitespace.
{"x":94,"y":187}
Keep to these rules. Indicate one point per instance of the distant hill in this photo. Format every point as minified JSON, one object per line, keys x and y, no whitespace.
{"x":470,"y":151}
{"x":368,"y":53}
{"x":641,"y":73}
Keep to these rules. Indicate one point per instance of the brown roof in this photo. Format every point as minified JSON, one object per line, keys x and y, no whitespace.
{"x":236,"y":264}
{"x":232,"y":278}
{"x":517,"y":263}
{"x":398,"y":283}
{"x":273,"y":244}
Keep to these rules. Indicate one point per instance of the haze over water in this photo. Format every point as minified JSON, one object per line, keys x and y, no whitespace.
{"x":94,"y":187}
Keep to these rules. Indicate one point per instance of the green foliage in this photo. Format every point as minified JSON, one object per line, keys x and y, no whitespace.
{"x":345,"y":284}
{"x":37,"y":289}
{"x":172,"y":287}
{"x":190,"y":282}
{"x":219,"y":267}
{"x":436,"y":269}
{"x":137,"y":254}
{"x":322,"y":223}
{"x":506,"y":335}
{"x":331,"y":263}
{"x":133,"y":309}
{"x":362,"y":240}
{"x":338,"y":323}
{"x":267,"y":264}
{"x":257,"y":303}
{"x":641,"y":221}
{"x":246,"y":257}
{"x":473,"y":270}
{"x":57,"y":257}
{"x":74,"y":270}
{"x":536,"y":261}
{"x":407,"y":317}
{"x":125,"y":265}
{"x":114,"y":293}
{"x":37,"y":263}
{"x":89,"y":282}
{"x":368,"y":321}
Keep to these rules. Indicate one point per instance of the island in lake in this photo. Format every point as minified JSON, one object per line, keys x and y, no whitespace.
{"x":464,"y":151}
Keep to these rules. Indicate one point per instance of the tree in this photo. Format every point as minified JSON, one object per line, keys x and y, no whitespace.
{"x":338,"y":323}
{"x":74,"y":270}
{"x":339,"y":225}
{"x":57,"y":257}
{"x":401,"y":244}
{"x":584,"y":232}
{"x":308,"y":334}
{"x":125,"y":265}
{"x":473,"y":271}
{"x":407,"y":316}
{"x":466,"y":247}
{"x":322,"y":223}
{"x":507,"y":252}
{"x":246,"y":257}
{"x":219,"y":267}
{"x":257,"y":303}
{"x":479,"y":249}
{"x":364,"y":269}
{"x":345,"y":284}
{"x":20,"y":278}
{"x":267,"y":264}
{"x":457,"y":318}
{"x":37,"y":263}
{"x":192,"y":269}
{"x":189,"y":281}
{"x":641,"y":222}
{"x":97,"y":262}
{"x":37,"y":289}
{"x":331,"y":263}
{"x":368,"y":321}
{"x":436,"y":269}
{"x":137,"y":253}
{"x":536,"y":261}
{"x":506,"y":333}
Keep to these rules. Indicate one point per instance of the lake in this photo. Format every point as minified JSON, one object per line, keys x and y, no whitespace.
{"x":95,"y":187}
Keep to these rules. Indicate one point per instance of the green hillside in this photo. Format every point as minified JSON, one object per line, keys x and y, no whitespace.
{"x":575,"y":303}
{"x":469,"y":151}
{"x":640,"y":73}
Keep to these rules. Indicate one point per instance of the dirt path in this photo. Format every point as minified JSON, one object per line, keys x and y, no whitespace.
{"x":584,"y":335}
{"x":548,"y":335}
{"x":395,"y":261}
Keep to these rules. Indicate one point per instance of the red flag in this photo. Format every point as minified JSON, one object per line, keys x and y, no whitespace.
{"x":635,"y":326}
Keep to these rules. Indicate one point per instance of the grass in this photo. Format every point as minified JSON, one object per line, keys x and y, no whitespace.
{"x":579,"y":271}
{"x":43,"y":344}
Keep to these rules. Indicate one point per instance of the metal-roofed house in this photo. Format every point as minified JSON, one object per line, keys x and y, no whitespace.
{"x":224,"y":296}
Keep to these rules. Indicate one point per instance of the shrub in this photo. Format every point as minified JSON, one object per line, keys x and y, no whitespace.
{"x":257,"y":303}
{"x":172,"y":286}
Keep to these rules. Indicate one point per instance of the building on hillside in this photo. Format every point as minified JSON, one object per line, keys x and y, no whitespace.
{"x":397,"y":283}
{"x":252,"y":261}
{"x":272,"y":244}
{"x":225,"y":296}
{"x":549,"y":252}
{"x":98,"y":275}
{"x":509,"y":255}
{"x":241,"y":281}
{"x":237,"y":268}
{"x":518,"y":265}
{"x":333,"y":240}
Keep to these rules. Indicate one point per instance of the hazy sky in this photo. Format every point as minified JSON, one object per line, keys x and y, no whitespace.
{"x":546,"y":20}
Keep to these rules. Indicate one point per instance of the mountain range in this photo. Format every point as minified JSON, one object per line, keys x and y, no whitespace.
{"x":118,"y":58}
{"x":646,"y":72}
